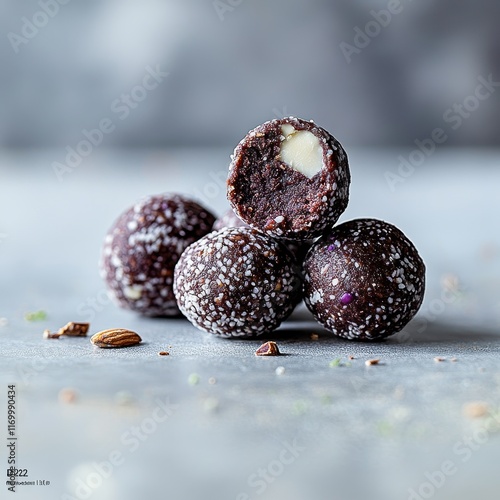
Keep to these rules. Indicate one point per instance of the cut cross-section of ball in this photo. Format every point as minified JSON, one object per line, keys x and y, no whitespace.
{"x":364,"y":280}
{"x":289,"y":178}
{"x":237,"y":282}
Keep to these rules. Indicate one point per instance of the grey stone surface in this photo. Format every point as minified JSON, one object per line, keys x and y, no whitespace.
{"x":355,"y":431}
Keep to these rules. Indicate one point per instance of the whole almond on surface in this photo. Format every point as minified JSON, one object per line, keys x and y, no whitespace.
{"x":116,"y":337}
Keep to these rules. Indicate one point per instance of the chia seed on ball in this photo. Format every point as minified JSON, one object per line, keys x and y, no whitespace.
{"x":364,"y":280}
{"x":236,"y":282}
{"x":142,"y":247}
{"x":289,"y":178}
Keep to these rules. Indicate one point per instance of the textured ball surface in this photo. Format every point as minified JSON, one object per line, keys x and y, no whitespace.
{"x":142,"y":247}
{"x":364,"y":280}
{"x":236,"y":282}
{"x":297,"y":248}
{"x":289,"y":178}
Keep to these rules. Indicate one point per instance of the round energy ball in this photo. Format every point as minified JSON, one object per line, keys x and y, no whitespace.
{"x":236,"y":282}
{"x":297,"y":248}
{"x":364,"y":280}
{"x":289,"y":178}
{"x":142,"y":247}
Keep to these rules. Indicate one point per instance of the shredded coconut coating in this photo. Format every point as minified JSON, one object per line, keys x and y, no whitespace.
{"x":364,"y":280}
{"x":142,"y":247}
{"x":237,"y":282}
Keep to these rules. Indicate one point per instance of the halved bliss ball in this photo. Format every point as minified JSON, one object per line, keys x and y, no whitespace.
{"x":236,"y":282}
{"x":364,"y":280}
{"x":289,"y":178}
{"x":142,"y":247}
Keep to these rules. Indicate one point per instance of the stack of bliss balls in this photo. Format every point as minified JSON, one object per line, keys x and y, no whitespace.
{"x":244,"y":273}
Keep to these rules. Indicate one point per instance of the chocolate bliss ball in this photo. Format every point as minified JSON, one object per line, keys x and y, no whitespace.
{"x":297,"y":248}
{"x":236,"y":282}
{"x":289,"y":178}
{"x":364,"y":280}
{"x":142,"y":247}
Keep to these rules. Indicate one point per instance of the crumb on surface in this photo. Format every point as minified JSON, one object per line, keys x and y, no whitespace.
{"x":47,"y":334}
{"x":268,"y":349}
{"x":371,"y":362}
{"x":475,"y":409}
{"x":35,"y":316}
{"x":67,"y":395}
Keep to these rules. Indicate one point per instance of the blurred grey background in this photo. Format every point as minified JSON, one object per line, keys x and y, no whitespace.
{"x":233,"y":64}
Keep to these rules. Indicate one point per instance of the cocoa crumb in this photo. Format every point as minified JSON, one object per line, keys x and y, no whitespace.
{"x":73,"y":329}
{"x":475,"y":409}
{"x":48,"y":335}
{"x":268,"y":349}
{"x":67,"y":396}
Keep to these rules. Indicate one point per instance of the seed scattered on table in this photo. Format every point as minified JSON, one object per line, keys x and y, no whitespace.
{"x":163,"y":353}
{"x":439,"y":359}
{"x":372,"y":362}
{"x":280,"y":370}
